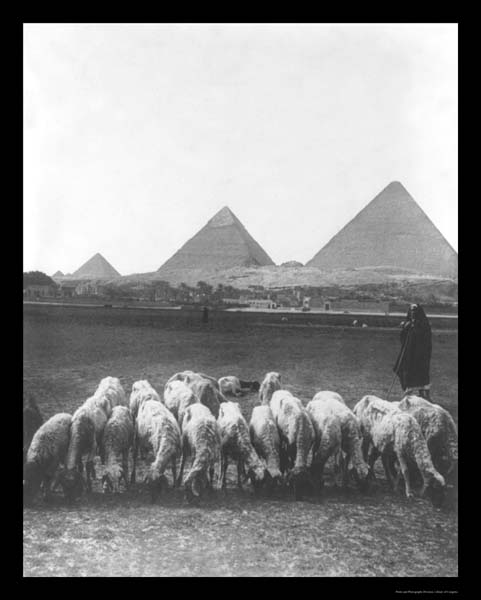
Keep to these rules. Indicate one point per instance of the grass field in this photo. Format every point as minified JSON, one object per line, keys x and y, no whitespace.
{"x":67,"y":352}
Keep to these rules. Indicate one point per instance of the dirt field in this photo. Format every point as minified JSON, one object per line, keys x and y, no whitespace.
{"x":67,"y":352}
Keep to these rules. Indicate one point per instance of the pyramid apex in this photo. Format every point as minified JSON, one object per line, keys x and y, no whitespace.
{"x":223,"y":218}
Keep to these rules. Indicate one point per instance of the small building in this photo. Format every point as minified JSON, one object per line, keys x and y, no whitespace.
{"x":261,"y":303}
{"x":39,"y":291}
{"x":67,"y":289}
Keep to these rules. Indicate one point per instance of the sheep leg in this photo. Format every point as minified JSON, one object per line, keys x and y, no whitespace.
{"x":125,"y":469}
{"x":239,"y":473}
{"x":135,"y":451}
{"x":373,"y":456}
{"x":182,"y":463}
{"x":386,"y":463}
{"x":174,"y":470}
{"x":46,"y":488}
{"x":225,"y":462}
{"x":211,"y":478}
{"x":405,"y":471}
{"x":365,"y":448}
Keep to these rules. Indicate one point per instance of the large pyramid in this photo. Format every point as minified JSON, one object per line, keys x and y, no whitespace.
{"x":391,"y":231}
{"x":96,"y":268}
{"x":222,"y":243}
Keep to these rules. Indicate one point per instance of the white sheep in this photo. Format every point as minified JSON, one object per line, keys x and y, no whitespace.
{"x":270,"y":383}
{"x":47,"y":450}
{"x":396,"y":434}
{"x":177,"y":397}
{"x":156,"y":429}
{"x":337,"y":430}
{"x":265,"y":439}
{"x":82,"y":444}
{"x":296,"y":434}
{"x":230,"y":386}
{"x":236,"y":444}
{"x":438,"y":428}
{"x":200,"y":439}
{"x":117,"y":440}
{"x":207,"y":394}
{"x":141,"y":391}
{"x":111,"y":391}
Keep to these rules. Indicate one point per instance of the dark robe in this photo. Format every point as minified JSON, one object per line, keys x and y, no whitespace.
{"x":413,"y":361}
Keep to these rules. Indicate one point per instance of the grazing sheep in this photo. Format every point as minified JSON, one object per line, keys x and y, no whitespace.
{"x":265,"y":439}
{"x":117,"y":439}
{"x":394,"y":433}
{"x":185,"y":376}
{"x":438,"y":428}
{"x":156,"y":429}
{"x":189,"y":377}
{"x":337,"y":430}
{"x":82,"y":443}
{"x":32,"y":420}
{"x":47,"y":450}
{"x":141,"y":391}
{"x":271,"y":383}
{"x":296,"y":434}
{"x":200,"y":439}
{"x":208,"y":395}
{"x":236,"y":444}
{"x":177,"y":397}
{"x":112,"y":394}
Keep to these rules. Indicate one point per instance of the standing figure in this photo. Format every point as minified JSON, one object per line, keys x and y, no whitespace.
{"x":205,"y":315}
{"x":412,"y":364}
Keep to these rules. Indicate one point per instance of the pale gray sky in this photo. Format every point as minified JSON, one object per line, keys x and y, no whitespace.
{"x":135,"y":135}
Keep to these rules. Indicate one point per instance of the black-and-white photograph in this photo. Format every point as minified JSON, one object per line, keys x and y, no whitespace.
{"x":240,"y":300}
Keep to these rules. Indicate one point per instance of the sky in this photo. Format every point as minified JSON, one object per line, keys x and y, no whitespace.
{"x":136,"y":135}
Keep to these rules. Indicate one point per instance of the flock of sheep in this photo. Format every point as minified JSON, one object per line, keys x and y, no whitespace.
{"x":285,"y":444}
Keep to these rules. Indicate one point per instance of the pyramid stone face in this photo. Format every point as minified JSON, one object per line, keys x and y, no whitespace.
{"x":58,"y":274}
{"x":391,"y":231}
{"x":96,"y":268}
{"x":221,"y":244}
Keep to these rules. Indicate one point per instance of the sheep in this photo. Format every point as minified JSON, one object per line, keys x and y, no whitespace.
{"x":47,"y":450}
{"x":397,"y":434}
{"x":112,"y":394}
{"x":191,"y":376}
{"x":177,"y":397}
{"x":233,"y":386}
{"x":236,"y":444}
{"x":156,"y":429}
{"x":208,"y":395}
{"x":141,"y":391}
{"x":271,"y":383}
{"x":230,"y":386}
{"x":200,"y":439}
{"x":296,"y":434}
{"x":438,"y":428}
{"x":82,"y":442}
{"x":185,"y":376}
{"x":336,"y":430}
{"x":32,"y":420}
{"x":265,"y":439}
{"x":117,"y":439}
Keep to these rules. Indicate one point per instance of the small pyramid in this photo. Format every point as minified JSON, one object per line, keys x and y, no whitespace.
{"x":58,"y":274}
{"x":96,"y":268}
{"x":222,"y":243}
{"x":391,"y":231}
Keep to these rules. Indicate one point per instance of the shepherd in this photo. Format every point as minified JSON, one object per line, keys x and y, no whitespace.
{"x":413,"y":362}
